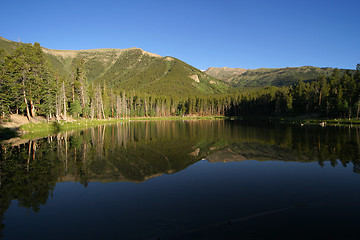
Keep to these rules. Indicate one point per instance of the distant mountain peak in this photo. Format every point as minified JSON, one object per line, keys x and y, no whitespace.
{"x":224,"y":73}
{"x":264,"y":77}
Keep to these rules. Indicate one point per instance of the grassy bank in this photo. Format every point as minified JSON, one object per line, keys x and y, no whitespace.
{"x":321,"y":121}
{"x":54,"y":127}
{"x":343,"y":121}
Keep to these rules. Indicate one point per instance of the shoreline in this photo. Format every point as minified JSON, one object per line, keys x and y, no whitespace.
{"x":81,"y":123}
{"x":306,"y":120}
{"x":32,"y":129}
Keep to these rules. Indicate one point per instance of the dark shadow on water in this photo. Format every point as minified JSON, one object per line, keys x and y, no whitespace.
{"x":7,"y":133}
{"x":224,"y":227}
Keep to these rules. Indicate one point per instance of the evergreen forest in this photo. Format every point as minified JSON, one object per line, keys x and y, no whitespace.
{"x":31,"y":84}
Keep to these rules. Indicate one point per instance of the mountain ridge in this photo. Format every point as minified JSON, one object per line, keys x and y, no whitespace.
{"x":131,"y":69}
{"x":264,"y":77}
{"x":68,"y":53}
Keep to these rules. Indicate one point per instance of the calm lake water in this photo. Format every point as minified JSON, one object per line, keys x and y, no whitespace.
{"x":198,"y":179}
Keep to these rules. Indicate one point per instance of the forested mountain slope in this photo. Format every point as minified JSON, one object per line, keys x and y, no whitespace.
{"x":131,"y":69}
{"x":264,"y":77}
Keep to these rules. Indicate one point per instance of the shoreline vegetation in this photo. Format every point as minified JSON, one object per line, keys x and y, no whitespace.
{"x":57,"y":126}
{"x":44,"y":128}
{"x":34,"y":129}
{"x":323,"y":122}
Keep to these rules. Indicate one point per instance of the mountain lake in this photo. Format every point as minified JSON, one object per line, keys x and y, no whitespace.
{"x":183,"y":179}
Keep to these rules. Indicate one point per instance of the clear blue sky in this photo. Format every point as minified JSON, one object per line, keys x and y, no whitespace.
{"x":246,"y":34}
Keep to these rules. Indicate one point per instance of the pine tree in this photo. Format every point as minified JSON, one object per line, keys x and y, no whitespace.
{"x":79,"y":85}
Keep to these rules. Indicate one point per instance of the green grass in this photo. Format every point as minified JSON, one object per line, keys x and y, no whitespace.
{"x":39,"y":129}
{"x":63,"y":125}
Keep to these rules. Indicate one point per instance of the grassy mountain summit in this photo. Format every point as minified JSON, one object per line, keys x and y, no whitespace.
{"x":132,"y":69}
{"x":225,"y":73}
{"x":263,"y":77}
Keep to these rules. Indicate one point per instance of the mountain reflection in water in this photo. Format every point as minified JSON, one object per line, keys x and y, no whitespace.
{"x":138,"y":151}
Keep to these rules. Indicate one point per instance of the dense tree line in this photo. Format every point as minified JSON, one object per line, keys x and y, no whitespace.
{"x":26,"y":84}
{"x":337,"y":95}
{"x":29,"y":86}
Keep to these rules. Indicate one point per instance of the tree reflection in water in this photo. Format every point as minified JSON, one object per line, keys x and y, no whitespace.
{"x":137,"y":151}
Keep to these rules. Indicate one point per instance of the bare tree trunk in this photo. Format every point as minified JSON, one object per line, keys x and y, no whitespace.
{"x":102,"y":107}
{"x":103,"y":99}
{"x":73,"y":93}
{"x":146,"y":106}
{"x":66,"y":151}
{"x":118,"y":106}
{"x":112,"y":102}
{"x":33,"y":150}
{"x":27,"y":106}
{"x":82,"y":96}
{"x":64,"y":99}
{"x":32,"y":108}
{"x":28,"y":160}
{"x":92,"y":109}
{"x":124,"y":107}
{"x":97,"y":100}
{"x":57,"y":106}
{"x":162,"y":108}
